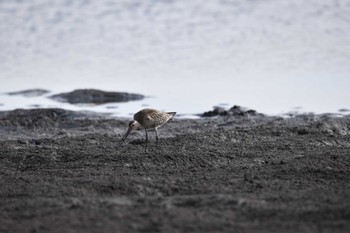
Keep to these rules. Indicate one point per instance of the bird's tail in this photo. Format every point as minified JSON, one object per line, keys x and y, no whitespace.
{"x":172,"y":113}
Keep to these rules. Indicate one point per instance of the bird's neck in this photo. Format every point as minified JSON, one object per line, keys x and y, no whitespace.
{"x":138,"y":126}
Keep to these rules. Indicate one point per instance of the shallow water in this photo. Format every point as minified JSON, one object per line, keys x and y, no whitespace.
{"x":274,"y":56}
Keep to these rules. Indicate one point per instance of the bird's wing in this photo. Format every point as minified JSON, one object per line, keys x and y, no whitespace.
{"x":144,"y":117}
{"x":149,"y":121}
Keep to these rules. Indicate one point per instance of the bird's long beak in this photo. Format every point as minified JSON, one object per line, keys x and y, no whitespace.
{"x":125,"y":136}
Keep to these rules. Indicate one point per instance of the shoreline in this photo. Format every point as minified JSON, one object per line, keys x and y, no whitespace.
{"x":123,"y":104}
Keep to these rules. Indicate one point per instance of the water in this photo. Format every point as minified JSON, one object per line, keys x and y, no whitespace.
{"x":273,"y":56}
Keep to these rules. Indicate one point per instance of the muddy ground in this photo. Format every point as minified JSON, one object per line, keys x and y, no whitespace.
{"x":62,"y":171}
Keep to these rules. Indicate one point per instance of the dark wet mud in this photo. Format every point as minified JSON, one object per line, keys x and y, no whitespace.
{"x":62,"y":171}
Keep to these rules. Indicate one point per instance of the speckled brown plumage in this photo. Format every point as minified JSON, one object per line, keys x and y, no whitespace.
{"x":152,"y":118}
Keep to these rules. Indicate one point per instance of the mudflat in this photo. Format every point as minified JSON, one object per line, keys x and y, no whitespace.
{"x":63,"y":171}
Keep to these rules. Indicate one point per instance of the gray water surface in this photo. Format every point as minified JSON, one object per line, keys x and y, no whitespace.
{"x":274,"y":56}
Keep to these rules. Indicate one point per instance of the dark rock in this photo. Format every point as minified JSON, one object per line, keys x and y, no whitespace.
{"x":92,"y":96}
{"x":218,"y":111}
{"x":252,"y":112}
{"x":237,"y":111}
{"x":30,"y":92}
{"x":302,"y":131}
{"x":234,"y":111}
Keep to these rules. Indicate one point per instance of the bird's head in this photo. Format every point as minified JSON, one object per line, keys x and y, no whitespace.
{"x":133,"y":125}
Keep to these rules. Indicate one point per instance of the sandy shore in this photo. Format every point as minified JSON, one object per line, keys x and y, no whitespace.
{"x":64,"y":172}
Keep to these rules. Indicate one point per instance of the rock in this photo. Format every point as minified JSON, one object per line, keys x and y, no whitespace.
{"x":237,"y":111}
{"x":302,"y":131}
{"x":218,"y":111}
{"x":234,"y":111}
{"x":30,"y":92}
{"x":344,"y":110}
{"x":93,"y":96}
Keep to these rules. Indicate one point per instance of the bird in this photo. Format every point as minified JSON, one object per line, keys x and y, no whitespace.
{"x":148,"y":118}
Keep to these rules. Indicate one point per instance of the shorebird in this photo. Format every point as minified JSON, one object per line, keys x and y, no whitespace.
{"x":148,"y":119}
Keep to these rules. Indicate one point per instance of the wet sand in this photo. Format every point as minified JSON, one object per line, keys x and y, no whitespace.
{"x":63,"y":171}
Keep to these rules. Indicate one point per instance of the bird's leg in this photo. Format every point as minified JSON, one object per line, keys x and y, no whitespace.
{"x":157,"y":138}
{"x":146,"y":140}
